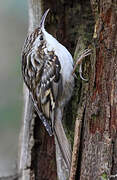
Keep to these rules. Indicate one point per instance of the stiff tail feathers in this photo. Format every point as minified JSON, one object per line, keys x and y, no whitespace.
{"x":59,"y":134}
{"x":63,"y":143}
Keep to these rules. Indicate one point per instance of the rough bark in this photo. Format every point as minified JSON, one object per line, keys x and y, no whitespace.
{"x":98,"y":156}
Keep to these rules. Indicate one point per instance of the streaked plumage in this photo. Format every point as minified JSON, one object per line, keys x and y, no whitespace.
{"x":47,"y":68}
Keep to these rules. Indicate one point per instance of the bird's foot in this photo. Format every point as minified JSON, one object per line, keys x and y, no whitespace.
{"x":82,"y":55}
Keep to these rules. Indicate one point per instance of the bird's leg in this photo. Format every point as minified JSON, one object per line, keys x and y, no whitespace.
{"x":83,"y":54}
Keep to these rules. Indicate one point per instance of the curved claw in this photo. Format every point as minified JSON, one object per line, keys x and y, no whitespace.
{"x":83,"y":54}
{"x":80,"y":72}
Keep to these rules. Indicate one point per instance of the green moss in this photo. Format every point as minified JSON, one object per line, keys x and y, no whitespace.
{"x":95,"y":116}
{"x":104,"y":176}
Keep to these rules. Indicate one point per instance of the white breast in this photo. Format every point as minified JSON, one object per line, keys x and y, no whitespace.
{"x":63,"y":54}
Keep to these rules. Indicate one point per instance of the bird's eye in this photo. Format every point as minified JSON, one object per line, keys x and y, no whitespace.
{"x":41,"y":38}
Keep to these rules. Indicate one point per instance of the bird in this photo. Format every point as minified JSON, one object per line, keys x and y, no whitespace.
{"x":48,"y":72}
{"x":47,"y":68}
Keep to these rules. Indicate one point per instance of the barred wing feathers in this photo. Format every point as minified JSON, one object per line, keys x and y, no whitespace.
{"x":42,"y":75}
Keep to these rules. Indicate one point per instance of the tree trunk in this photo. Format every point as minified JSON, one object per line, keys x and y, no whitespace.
{"x":94,"y":103}
{"x":99,"y":136}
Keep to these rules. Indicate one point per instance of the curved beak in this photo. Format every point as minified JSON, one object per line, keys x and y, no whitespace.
{"x":43,"y":19}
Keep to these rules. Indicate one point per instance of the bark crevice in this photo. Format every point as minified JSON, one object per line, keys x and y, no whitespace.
{"x":80,"y":147}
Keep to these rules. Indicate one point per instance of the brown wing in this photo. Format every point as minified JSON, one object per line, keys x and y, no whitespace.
{"x":50,"y":82}
{"x":41,"y":76}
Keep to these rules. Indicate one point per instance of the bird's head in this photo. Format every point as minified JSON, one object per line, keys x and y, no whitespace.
{"x":40,"y":31}
{"x":39,"y":37}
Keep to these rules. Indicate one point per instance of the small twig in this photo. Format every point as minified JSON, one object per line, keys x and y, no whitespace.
{"x":82,"y":55}
{"x":75,"y":150}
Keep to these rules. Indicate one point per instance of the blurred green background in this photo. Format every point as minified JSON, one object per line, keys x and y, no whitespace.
{"x":13,"y":30}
